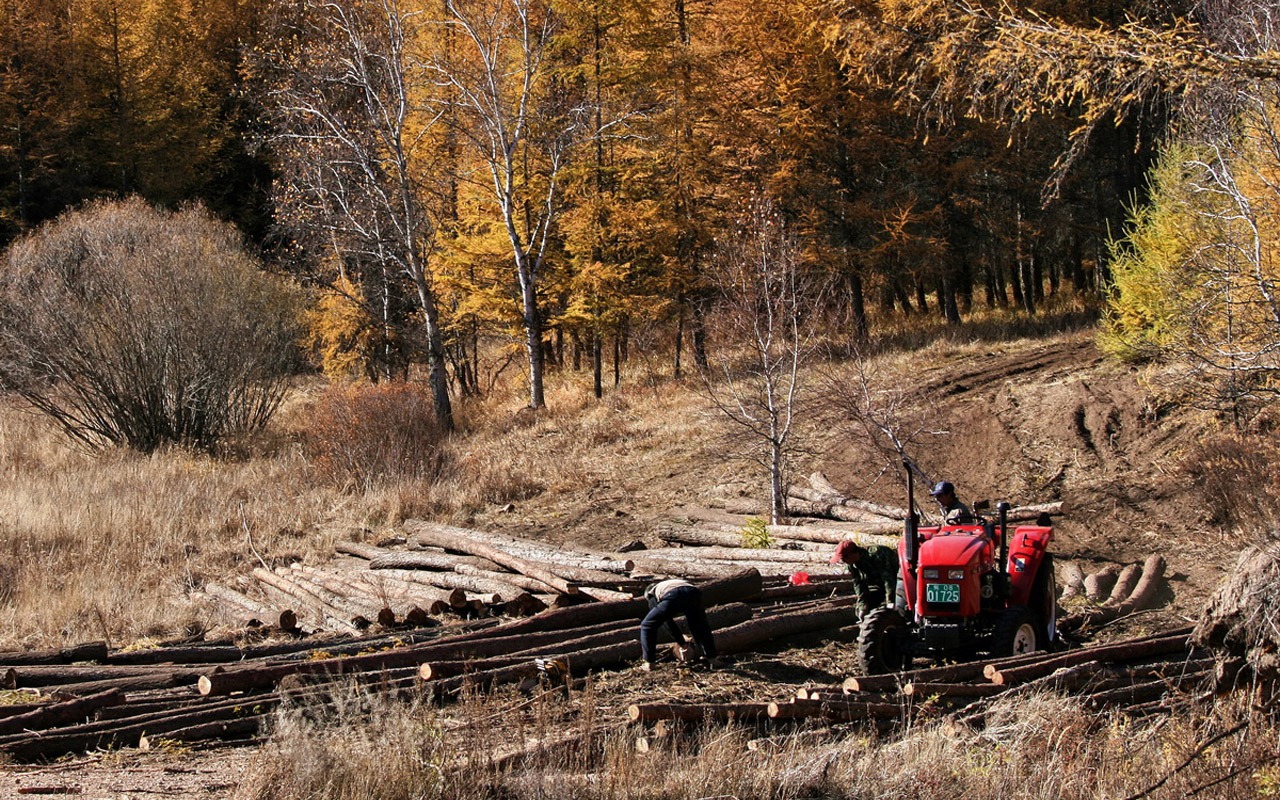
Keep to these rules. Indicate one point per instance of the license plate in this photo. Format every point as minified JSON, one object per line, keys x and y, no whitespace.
{"x":942,"y":592}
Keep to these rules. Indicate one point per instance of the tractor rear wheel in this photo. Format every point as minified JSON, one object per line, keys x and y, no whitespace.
{"x":1044,"y":601}
{"x":1016,"y":633}
{"x":882,"y":645}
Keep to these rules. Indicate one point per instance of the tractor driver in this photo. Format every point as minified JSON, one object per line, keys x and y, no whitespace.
{"x":874,"y":570}
{"x":953,"y":511}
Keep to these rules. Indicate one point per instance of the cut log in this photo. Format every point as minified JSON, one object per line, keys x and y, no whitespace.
{"x":923,"y":691}
{"x":338,"y":594}
{"x":289,"y":588}
{"x":738,"y":554}
{"x":872,"y":684}
{"x":93,"y":735}
{"x":1145,"y":691}
{"x":55,"y":714}
{"x":436,"y":559}
{"x":820,"y":483}
{"x":56,"y":674}
{"x":1098,"y":584}
{"x":863,"y":534}
{"x":88,"y":651}
{"x":458,"y":539}
{"x":522,"y":581}
{"x":605,"y":595}
{"x":1150,"y":582}
{"x":848,"y":711}
{"x":746,"y":635}
{"x":827,"y":510}
{"x":745,"y":585}
{"x":824,"y":588}
{"x":1152,"y":573}
{"x":391,"y":607}
{"x":697,"y":712}
{"x":285,"y":618}
{"x":1124,"y":584}
{"x":537,"y":552}
{"x":699,"y":537}
{"x":1071,"y":578}
{"x":575,"y":650}
{"x":689,"y":567}
{"x":416,"y":591}
{"x":1121,"y":651}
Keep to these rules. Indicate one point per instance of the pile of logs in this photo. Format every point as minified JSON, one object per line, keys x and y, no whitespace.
{"x":824,"y":501}
{"x":219,"y":691}
{"x":1108,"y":594}
{"x":1140,"y":676}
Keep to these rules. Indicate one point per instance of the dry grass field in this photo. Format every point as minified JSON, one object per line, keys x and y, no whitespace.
{"x":107,"y":546}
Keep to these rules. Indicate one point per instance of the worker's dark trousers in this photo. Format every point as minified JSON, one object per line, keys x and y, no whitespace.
{"x":686,"y":600}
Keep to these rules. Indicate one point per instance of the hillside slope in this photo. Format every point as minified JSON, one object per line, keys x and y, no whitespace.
{"x":1029,"y":421}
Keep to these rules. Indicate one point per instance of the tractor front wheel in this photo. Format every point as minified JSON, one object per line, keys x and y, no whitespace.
{"x":882,"y":645}
{"x":1016,"y":633}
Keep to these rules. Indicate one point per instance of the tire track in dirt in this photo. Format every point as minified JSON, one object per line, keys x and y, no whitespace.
{"x":1049,"y":361}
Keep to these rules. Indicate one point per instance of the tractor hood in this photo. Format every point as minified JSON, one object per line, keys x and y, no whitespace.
{"x":955,"y":550}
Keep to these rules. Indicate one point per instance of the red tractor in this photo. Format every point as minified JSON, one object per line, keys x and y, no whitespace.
{"x":969,"y":589}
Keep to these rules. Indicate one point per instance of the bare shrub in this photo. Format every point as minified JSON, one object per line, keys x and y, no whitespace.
{"x":133,"y":326}
{"x":366,"y":434}
{"x":1235,"y":476}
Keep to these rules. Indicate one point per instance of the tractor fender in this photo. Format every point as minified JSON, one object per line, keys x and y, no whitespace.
{"x":1027,"y":548}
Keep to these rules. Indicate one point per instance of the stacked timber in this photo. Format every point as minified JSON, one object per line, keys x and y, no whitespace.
{"x":823,"y":500}
{"x":1140,"y":676}
{"x":1109,"y":593}
{"x":203,"y":691}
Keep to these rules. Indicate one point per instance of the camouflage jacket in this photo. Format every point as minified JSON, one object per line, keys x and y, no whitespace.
{"x":876,"y":572}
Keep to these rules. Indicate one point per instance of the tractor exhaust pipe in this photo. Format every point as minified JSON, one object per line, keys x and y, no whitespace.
{"x":1003,"y":508}
{"x":911,"y":539}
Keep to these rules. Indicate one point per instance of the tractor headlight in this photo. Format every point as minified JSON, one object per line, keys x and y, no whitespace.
{"x":931,"y":574}
{"x":955,"y":574}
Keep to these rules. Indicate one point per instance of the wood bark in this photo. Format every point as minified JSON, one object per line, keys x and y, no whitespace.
{"x":715,"y":553}
{"x":1133,"y":597}
{"x":1121,"y":651}
{"x":820,"y":483}
{"x":54,"y":714}
{"x":358,"y":606}
{"x":414,"y":590}
{"x":391,"y":608}
{"x":328,"y":617}
{"x":88,"y":651}
{"x":284,"y":618}
{"x":458,"y":539}
{"x":848,"y":711}
{"x":1071,"y":578}
{"x":437,"y":559}
{"x":1124,"y":584}
{"x":746,"y":635}
{"x":923,"y":690}
{"x":701,"y":537}
{"x":862,"y":534}
{"x":436,"y":534}
{"x":589,"y":651}
{"x":697,"y":712}
{"x":1098,"y":584}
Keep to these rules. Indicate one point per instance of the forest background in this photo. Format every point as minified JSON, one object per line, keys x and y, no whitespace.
{"x":554,"y":178}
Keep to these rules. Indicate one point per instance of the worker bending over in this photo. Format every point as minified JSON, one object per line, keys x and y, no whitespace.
{"x":667,"y":600}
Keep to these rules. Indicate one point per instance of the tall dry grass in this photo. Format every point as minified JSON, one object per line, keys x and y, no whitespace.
{"x":109,"y":545}
{"x":1042,"y":747}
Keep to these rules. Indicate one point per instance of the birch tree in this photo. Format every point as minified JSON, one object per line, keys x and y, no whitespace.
{"x":496,"y":82}
{"x":769,"y":307}
{"x":357,"y":154}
